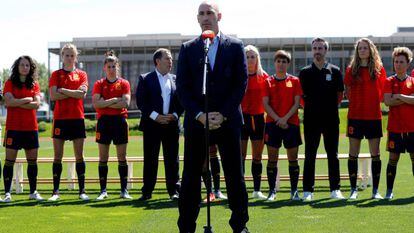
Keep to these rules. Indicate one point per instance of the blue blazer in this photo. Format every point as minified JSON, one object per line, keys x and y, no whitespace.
{"x":149,"y":99}
{"x":227,"y":80}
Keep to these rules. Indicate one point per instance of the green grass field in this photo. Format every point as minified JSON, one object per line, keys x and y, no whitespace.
{"x":160,"y":214}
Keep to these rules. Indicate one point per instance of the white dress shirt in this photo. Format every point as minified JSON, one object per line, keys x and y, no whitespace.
{"x":165,"y":84}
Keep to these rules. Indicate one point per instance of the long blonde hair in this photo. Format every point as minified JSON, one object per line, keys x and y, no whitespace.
{"x":374,"y":60}
{"x":253,"y":49}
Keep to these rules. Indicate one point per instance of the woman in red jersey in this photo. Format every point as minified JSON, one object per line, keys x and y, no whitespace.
{"x":111,"y":97}
{"x":253,"y":115}
{"x":281,"y":102}
{"x":22,"y":98}
{"x":364,"y":79}
{"x":399,"y":96}
{"x":68,"y":87}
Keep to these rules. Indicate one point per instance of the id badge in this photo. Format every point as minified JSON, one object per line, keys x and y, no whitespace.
{"x":328,"y":77}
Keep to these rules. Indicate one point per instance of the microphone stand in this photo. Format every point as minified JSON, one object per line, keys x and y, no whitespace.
{"x":208,"y":228}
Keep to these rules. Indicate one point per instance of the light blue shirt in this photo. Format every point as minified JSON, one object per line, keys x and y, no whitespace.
{"x":212,"y":51}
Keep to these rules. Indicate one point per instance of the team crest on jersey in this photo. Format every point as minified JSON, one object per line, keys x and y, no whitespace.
{"x":75,"y":77}
{"x":289,"y":84}
{"x":409,"y":84}
{"x":118,"y":86}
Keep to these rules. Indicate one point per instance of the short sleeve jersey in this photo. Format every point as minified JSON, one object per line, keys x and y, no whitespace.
{"x":364,"y":94}
{"x":69,"y":108}
{"x":281,"y":94}
{"x":401,"y":117}
{"x":320,"y":92}
{"x":21,"y":119}
{"x":252,"y":102}
{"x":108,"y":90}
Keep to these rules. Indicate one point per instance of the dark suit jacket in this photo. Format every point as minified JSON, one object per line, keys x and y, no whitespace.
{"x":227,"y":81}
{"x":149,"y":98}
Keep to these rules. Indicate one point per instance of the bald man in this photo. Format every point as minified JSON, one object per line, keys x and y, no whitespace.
{"x":227,"y":80}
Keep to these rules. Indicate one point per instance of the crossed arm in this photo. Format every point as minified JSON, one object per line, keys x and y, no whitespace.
{"x":26,"y":103}
{"x":64,"y":93}
{"x":116,"y":102}
{"x":398,"y":99}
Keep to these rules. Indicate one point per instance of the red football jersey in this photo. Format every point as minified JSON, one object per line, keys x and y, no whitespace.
{"x":21,"y":119}
{"x":364,"y":94}
{"x":281,"y":95}
{"x":252,"y":102}
{"x":400,"y":118}
{"x":69,"y":108}
{"x":109,"y":90}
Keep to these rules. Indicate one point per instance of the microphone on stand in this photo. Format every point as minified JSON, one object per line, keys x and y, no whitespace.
{"x":207,"y":36}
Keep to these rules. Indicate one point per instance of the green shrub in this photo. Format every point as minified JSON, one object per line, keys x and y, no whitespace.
{"x":90,"y":126}
{"x":43,"y":126}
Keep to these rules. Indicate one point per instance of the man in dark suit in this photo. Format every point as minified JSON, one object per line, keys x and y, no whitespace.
{"x":227,"y":80}
{"x":156,"y":98}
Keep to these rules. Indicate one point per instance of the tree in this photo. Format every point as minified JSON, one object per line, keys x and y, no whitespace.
{"x":43,"y":77}
{"x":4,"y":74}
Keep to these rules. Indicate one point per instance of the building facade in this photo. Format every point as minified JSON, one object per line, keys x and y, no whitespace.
{"x":135,"y":52}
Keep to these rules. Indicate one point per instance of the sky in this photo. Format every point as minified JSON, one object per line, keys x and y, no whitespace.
{"x":29,"y":26}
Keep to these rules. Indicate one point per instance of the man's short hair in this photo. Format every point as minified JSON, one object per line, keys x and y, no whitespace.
{"x":320,"y":39}
{"x":158,"y":54}
{"x":282,"y":54}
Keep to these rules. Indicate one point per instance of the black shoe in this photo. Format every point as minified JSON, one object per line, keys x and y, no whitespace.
{"x":145,"y":197}
{"x":174,"y":197}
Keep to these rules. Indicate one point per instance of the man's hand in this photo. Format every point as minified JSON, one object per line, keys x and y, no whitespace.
{"x":215,"y":119}
{"x":161,"y":119}
{"x":171,"y":117}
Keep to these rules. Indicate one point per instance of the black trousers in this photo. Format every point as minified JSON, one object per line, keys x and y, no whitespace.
{"x":228,"y":142}
{"x":153,"y":137}
{"x":313,"y":131}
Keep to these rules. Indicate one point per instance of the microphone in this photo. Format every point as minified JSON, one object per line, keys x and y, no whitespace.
{"x":207,"y":36}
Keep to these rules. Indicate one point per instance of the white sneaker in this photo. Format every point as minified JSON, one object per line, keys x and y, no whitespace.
{"x":84,"y":197}
{"x":259,"y":195}
{"x":54,"y":197}
{"x":125,"y":195}
{"x":376,"y":195}
{"x":272,"y":196}
{"x":336,"y":194}
{"x":353,"y":195}
{"x":35,"y":196}
{"x":102,"y":196}
{"x":307,"y":196}
{"x":220,"y":195}
{"x":7,"y":198}
{"x":295,"y":196}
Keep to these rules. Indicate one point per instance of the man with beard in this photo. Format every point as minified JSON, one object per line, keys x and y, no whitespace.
{"x":323,"y":88}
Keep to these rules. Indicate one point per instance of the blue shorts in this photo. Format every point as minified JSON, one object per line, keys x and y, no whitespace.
{"x":364,"y":128}
{"x":253,"y":127}
{"x":112,"y":128}
{"x":69,"y":129}
{"x":21,"y":139}
{"x":274,"y":136}
{"x":400,"y":142}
